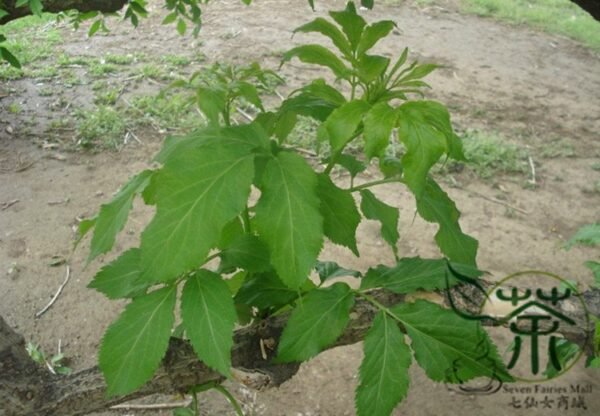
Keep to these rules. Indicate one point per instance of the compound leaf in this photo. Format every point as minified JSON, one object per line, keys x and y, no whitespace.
{"x":197,"y":192}
{"x":112,"y":216}
{"x":135,"y":343}
{"x":288,"y":217}
{"x":383,"y":372}
{"x":317,"y":321}
{"x":209,"y":316}
{"x":388,"y":216}
{"x":434,"y":205}
{"x":448,"y":347}
{"x":340,"y":216}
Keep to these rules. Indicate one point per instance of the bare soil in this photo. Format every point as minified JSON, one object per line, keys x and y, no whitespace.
{"x":534,"y":88}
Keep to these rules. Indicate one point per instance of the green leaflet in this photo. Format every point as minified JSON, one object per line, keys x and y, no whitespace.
{"x":371,"y":67}
{"x":373,"y":33}
{"x":352,"y":24}
{"x":374,"y":209}
{"x":245,"y":252}
{"x":383,"y":373}
{"x":264,"y":291}
{"x":329,"y":270}
{"x":566,"y":351}
{"x":212,"y":102}
{"x":378,"y":122}
{"x":250,"y":136}
{"x":340,"y":127}
{"x":424,"y":145}
{"x":288,"y":217}
{"x":409,"y":275}
{"x":594,"y":266}
{"x":434,"y":205}
{"x":588,"y":235}
{"x":197,"y":193}
{"x":136,"y":342}
{"x":328,"y":29}
{"x":318,"y":55}
{"x":317,"y":321}
{"x":316,"y":100}
{"x":340,"y":216}
{"x":448,"y":347}
{"x":209,"y":317}
{"x":350,"y":163}
{"x":120,"y":278}
{"x":112,"y":216}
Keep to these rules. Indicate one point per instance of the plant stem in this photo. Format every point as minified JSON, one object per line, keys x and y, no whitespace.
{"x":334,"y":157}
{"x":377,"y":304}
{"x":246,"y":221}
{"x":373,"y":183}
{"x":230,"y":398}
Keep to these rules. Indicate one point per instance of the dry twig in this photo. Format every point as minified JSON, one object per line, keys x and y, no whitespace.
{"x":157,"y":406}
{"x":6,"y":205}
{"x":532,"y":166}
{"x":57,"y":294}
{"x":497,"y":201}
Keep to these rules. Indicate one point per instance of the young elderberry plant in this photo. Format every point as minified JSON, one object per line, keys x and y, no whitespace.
{"x":244,"y":195}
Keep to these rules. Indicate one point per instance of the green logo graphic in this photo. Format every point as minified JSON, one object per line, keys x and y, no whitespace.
{"x":538,"y":307}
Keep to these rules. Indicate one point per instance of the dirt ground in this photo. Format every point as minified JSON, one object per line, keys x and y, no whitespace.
{"x":532,"y":87}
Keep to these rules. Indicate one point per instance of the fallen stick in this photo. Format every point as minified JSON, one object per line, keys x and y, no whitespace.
{"x":497,"y":201}
{"x":532,"y":166}
{"x":158,"y":406}
{"x":57,"y":294}
{"x":6,"y":205}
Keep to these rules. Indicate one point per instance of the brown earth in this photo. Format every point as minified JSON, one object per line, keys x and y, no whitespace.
{"x":536,"y":89}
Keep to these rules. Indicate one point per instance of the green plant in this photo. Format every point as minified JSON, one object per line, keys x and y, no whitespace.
{"x":55,"y":364}
{"x":489,"y":154}
{"x":103,"y":127}
{"x":269,"y":246}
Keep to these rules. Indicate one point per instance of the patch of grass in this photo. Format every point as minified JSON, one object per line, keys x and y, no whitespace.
{"x":14,"y":108}
{"x":489,"y":154}
{"x":99,"y":69}
{"x":30,"y":39}
{"x":154,"y":72}
{"x":176,"y":60}
{"x":45,"y":92}
{"x":46,"y":71}
{"x":558,"y":148}
{"x":107,"y":96}
{"x":119,"y":59}
{"x":170,"y":111}
{"x":596,"y":166}
{"x":101,"y":128}
{"x":68,"y":60}
{"x":554,"y":16}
